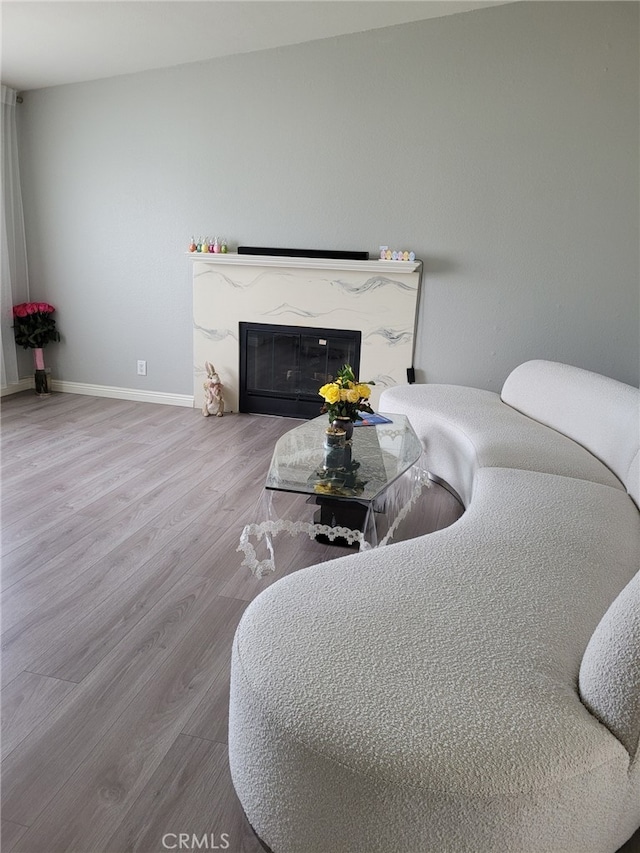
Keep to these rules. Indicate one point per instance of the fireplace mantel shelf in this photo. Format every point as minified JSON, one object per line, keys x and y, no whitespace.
{"x":376,"y":265}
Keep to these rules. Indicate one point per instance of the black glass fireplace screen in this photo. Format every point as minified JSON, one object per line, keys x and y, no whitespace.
{"x":282,"y":367}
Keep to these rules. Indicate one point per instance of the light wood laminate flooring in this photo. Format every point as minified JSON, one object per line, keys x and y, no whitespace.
{"x":122,"y":589}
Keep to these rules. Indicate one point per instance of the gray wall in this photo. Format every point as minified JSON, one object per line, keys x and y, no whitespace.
{"x":501,"y":145}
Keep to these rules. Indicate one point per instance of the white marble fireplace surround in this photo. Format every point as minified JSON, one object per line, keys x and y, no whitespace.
{"x":378,"y":298}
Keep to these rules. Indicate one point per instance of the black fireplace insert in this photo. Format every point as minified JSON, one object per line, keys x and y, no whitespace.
{"x":282,"y":367}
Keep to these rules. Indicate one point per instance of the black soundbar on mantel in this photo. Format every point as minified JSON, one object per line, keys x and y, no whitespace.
{"x":330,"y":254}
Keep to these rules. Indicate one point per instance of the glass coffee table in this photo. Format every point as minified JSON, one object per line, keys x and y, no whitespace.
{"x":360,"y":504}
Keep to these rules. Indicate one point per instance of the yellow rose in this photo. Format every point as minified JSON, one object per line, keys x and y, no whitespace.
{"x":330,"y":392}
{"x":352,"y":395}
{"x":363,"y":391}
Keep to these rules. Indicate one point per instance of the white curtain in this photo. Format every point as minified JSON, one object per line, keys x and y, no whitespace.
{"x":14,"y":280}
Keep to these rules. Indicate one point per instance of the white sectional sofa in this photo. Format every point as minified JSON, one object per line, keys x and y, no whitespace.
{"x":478,"y":688}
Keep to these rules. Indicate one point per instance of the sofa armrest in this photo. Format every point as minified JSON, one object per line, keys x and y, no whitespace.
{"x":610,"y":671}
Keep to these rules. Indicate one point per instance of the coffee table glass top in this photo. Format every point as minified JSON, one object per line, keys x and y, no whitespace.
{"x":381,"y":454}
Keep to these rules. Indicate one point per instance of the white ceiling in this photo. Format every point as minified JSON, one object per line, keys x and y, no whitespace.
{"x":52,"y":43}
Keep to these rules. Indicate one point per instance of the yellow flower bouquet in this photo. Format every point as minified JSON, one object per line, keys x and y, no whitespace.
{"x":345,"y":397}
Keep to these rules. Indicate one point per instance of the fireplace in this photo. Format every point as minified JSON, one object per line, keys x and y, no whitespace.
{"x":282,"y":367}
{"x":326,"y":298}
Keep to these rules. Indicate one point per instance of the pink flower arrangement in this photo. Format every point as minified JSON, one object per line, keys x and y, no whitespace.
{"x":33,"y":324}
{"x":26,"y":308}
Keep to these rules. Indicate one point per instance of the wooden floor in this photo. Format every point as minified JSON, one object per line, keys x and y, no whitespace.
{"x":122,"y":589}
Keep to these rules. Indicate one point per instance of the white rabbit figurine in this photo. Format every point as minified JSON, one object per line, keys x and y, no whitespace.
{"x":213,"y":403}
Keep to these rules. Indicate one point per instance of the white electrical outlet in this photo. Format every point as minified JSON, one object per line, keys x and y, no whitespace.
{"x":142,"y":368}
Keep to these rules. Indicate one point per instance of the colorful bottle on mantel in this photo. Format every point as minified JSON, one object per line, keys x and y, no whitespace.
{"x":216,"y":246}
{"x":210,"y":246}
{"x":223,"y":246}
{"x":193,"y":246}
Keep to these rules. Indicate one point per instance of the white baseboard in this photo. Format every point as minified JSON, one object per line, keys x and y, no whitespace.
{"x":20,"y":385}
{"x":133,"y":394}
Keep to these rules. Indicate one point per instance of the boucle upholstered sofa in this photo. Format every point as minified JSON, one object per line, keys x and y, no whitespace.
{"x":477,"y":688}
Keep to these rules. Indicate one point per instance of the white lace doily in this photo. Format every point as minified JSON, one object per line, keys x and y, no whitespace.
{"x":267,"y":529}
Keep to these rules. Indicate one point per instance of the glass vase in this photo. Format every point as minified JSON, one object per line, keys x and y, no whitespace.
{"x":335,"y":443}
{"x":345,"y":424}
{"x":41,"y":374}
